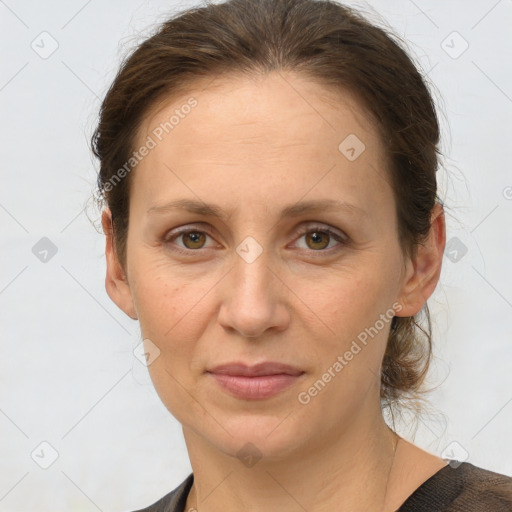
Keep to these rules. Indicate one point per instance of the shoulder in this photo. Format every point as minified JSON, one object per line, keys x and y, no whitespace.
{"x":174,"y":501}
{"x":462,"y":487}
{"x":486,"y":490}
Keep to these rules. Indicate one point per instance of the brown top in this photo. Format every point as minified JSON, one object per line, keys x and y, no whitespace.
{"x":457,"y":487}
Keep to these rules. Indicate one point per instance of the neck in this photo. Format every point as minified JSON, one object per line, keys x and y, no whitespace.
{"x":348,"y":472}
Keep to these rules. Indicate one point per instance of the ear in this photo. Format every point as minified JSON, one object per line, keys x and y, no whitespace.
{"x":424,"y":269}
{"x":116,"y":282}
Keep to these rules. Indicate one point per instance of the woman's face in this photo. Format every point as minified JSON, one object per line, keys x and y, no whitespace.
{"x":281,"y":160}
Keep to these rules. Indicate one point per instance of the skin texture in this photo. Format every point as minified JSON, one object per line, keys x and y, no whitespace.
{"x":253,"y":146}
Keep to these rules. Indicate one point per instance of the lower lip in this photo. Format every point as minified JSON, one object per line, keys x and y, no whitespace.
{"x":255,"y":388}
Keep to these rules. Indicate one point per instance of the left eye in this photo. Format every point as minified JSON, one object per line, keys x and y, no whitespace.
{"x":321,"y":238}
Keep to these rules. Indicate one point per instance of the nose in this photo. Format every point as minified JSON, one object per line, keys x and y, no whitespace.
{"x":254,"y":299}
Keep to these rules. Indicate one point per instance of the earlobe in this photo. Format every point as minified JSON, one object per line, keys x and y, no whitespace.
{"x":116,"y":282}
{"x":423,"y":271}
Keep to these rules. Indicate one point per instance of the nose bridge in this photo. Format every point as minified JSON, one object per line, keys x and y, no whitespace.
{"x":251,"y":269}
{"x":250,"y":303}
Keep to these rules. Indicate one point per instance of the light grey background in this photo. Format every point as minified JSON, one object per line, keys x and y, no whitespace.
{"x":68,"y":373}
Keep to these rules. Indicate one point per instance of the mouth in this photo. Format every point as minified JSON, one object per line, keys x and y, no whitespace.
{"x":256,"y":382}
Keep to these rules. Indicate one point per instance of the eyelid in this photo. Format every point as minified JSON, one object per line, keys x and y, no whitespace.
{"x":318,"y":226}
{"x":188,"y":228}
{"x":339,"y":236}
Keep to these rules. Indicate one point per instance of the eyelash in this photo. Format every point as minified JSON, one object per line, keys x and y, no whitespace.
{"x":342,"y":240}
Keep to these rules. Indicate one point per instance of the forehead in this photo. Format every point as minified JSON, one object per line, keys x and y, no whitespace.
{"x":278,"y":128}
{"x":262,"y":105}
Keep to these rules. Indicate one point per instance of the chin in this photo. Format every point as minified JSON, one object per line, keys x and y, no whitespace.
{"x":258,"y":437}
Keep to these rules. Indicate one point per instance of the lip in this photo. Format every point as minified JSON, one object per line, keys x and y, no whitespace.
{"x":257,"y":370}
{"x":255,"y":382}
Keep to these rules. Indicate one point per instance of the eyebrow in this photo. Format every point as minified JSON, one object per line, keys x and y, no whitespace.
{"x":293,"y":210}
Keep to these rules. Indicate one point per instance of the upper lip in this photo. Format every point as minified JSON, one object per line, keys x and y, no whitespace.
{"x":266,"y":368}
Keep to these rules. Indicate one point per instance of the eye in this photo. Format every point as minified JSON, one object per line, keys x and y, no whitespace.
{"x":192,"y":239}
{"x":318,"y":239}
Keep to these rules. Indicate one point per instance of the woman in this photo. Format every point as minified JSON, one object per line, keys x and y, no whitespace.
{"x":268,"y":169}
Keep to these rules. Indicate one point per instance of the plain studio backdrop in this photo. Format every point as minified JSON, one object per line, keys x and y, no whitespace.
{"x":81,"y":427}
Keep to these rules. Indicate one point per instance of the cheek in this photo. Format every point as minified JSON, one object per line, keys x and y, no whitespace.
{"x":350,"y":351}
{"x":172,"y":316}
{"x":347,"y":302}
{"x":350,"y":308}
{"x":163,"y":296}
{"x":175,"y":309}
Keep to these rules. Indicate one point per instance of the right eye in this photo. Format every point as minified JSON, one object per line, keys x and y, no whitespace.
{"x":192,"y":240}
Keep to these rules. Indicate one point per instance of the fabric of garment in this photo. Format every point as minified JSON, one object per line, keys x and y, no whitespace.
{"x":457,"y":487}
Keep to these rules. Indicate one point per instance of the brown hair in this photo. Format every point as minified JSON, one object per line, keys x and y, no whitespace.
{"x":330,"y":43}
